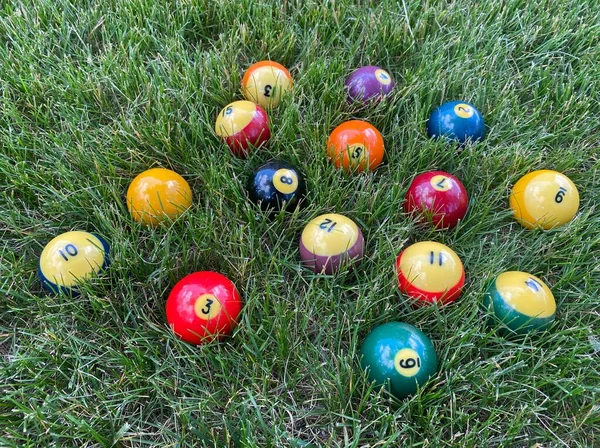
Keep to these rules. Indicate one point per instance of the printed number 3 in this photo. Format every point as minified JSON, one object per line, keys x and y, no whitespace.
{"x":328,"y":225}
{"x":206,"y":309}
{"x":268,"y":88}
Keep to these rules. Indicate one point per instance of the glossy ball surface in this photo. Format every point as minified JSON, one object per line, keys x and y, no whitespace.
{"x":71,"y":258}
{"x":438,"y":197}
{"x":243,"y":125}
{"x":356,"y":146}
{"x":544,"y":199}
{"x":276,"y":185}
{"x":329,"y":242}
{"x":430,"y":272}
{"x":158,"y":195}
{"x":458,"y":121}
{"x":369,"y":83}
{"x":400,"y":357}
{"x":265,"y":82}
{"x":203,"y":306}
{"x":520,"y":302}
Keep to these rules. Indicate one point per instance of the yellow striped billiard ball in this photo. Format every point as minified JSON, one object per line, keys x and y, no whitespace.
{"x":71,"y":258}
{"x":544,"y":199}
{"x":265,"y":82}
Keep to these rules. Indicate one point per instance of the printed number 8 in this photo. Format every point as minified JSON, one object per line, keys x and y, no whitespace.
{"x":286,"y":180}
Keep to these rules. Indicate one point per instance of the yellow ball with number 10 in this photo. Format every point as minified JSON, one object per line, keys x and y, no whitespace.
{"x":544,"y":199}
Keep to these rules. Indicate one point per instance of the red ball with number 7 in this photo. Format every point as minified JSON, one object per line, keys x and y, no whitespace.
{"x":438,"y":197}
{"x":203,"y":306}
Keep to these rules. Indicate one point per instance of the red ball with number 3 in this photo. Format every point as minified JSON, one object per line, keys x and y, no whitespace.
{"x":439,"y":197}
{"x":203,"y":306}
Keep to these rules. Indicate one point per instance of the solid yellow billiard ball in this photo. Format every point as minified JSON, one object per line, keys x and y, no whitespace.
{"x":265,"y":82}
{"x":158,"y":195}
{"x":71,"y":258}
{"x":430,"y":272}
{"x":544,"y":199}
{"x":520,"y":301}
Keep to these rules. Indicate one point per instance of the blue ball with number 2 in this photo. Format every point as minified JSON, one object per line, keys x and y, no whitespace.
{"x":457,"y":121}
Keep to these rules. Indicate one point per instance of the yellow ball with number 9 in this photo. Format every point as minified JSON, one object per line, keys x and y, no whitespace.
{"x":544,"y":199}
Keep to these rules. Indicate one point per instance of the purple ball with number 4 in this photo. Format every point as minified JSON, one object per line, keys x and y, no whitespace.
{"x":369,"y":83}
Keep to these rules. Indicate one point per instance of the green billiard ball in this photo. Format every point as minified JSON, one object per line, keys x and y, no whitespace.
{"x":400,"y":357}
{"x":520,"y":302}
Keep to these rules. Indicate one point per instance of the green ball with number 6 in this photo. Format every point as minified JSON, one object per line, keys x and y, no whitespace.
{"x":400,"y":357}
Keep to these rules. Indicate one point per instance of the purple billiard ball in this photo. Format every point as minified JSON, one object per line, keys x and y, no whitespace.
{"x":368,"y":83}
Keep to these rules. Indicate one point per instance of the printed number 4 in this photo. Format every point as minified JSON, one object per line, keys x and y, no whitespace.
{"x":328,"y":225}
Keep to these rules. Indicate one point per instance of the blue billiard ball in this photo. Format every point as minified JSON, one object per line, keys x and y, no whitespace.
{"x":456,"y":120}
{"x":277,"y":185}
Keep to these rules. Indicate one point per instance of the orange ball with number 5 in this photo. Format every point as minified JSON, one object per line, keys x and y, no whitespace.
{"x":203,"y":306}
{"x":544,"y":199}
{"x":356,"y":146}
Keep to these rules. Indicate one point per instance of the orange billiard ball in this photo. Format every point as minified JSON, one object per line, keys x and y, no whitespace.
{"x":158,"y":195}
{"x":356,"y":145}
{"x":203,"y":306}
{"x":242,"y":125}
{"x":430,"y":272}
{"x":265,"y":82}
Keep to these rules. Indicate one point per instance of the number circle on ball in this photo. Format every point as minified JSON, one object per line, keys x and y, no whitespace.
{"x":383,"y":77}
{"x":285,"y":181}
{"x":544,"y":199}
{"x":463,"y":110}
{"x":431,"y":272}
{"x":407,"y":362}
{"x":71,"y":258}
{"x":207,"y":306}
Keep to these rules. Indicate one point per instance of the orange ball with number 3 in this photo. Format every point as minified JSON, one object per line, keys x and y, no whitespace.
{"x":356,"y":146}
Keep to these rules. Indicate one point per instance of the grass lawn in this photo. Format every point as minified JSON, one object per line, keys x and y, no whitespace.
{"x":92,"y":93}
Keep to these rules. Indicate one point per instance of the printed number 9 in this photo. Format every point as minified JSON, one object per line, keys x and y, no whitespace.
{"x":560,"y":195}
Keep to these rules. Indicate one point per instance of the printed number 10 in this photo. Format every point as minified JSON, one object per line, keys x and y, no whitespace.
{"x":70,"y":249}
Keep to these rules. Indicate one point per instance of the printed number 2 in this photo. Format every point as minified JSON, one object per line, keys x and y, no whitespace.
{"x":268,"y":88}
{"x":328,"y":225}
{"x":560,"y":195}
{"x":206,"y":309}
{"x":70,"y":249}
{"x":432,"y":258}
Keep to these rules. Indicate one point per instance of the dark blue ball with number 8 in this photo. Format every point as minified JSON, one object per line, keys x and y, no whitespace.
{"x":277,"y":185}
{"x":457,"y":121}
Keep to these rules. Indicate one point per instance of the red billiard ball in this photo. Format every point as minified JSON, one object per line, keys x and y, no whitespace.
{"x":439,"y":196}
{"x":203,"y":306}
{"x":430,"y":272}
{"x":243,"y":124}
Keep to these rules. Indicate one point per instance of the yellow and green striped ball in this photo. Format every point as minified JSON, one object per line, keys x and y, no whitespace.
{"x":520,"y":302}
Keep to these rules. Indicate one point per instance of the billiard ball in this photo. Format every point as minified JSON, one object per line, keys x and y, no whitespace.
{"x":203,"y":306}
{"x":399,"y":357}
{"x":430,"y":272}
{"x":355,"y":146}
{"x":265,"y":82}
{"x":242,"y":125}
{"x":439,"y":197}
{"x":544,"y":199}
{"x":276,"y":185}
{"x":458,"y":121}
{"x":520,"y":302}
{"x":158,"y":195}
{"x":71,"y":258}
{"x":367,"y":84}
{"x":329,"y":242}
